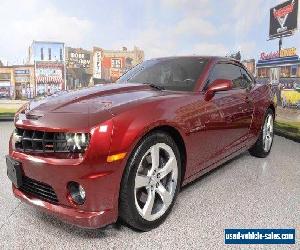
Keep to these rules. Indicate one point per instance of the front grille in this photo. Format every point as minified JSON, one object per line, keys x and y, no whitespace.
{"x":39,"y":190}
{"x":40,"y":141}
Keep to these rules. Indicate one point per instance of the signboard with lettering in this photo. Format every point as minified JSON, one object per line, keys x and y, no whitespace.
{"x":22,"y":72}
{"x":22,"y":79}
{"x":97,"y":61}
{"x":116,"y":63}
{"x":288,"y":52}
{"x":283,"y":53}
{"x":78,"y":58}
{"x":283,"y":18}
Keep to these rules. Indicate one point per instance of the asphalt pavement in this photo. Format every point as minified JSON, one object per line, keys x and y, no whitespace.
{"x":247,"y":192}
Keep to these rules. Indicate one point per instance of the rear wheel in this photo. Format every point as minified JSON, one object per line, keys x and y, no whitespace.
{"x":151,"y":182}
{"x":263,"y":145}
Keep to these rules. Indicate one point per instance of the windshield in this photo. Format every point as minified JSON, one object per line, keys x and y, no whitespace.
{"x":179,"y":74}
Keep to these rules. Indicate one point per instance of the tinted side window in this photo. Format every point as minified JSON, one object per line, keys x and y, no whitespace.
{"x":247,"y":81}
{"x":227,"y":71}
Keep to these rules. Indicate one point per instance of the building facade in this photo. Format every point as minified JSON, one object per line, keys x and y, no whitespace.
{"x":17,"y":82}
{"x":114,"y":63}
{"x":250,"y":65}
{"x":85,"y":67}
{"x":51,"y":68}
{"x":282,"y":70}
{"x":7,"y":84}
{"x":79,"y":67}
{"x":24,"y":81}
{"x":283,"y":67}
{"x":49,"y":62}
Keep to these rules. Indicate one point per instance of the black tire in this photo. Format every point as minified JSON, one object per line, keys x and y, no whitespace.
{"x":257,"y":149}
{"x":128,"y":212}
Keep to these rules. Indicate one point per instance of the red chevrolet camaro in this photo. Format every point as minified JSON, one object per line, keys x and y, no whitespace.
{"x":123,"y":150}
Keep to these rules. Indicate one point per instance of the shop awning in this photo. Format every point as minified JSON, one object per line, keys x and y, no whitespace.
{"x":49,"y":79}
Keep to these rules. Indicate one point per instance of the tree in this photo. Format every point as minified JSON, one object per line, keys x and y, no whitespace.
{"x":236,"y":56}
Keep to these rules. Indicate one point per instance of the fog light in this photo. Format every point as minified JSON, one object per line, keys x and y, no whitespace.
{"x":77,"y":192}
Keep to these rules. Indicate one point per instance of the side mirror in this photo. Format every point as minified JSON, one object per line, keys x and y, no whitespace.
{"x":217,"y":86}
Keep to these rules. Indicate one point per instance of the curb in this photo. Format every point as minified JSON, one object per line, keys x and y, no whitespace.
{"x":287,"y":135}
{"x":6,"y":118}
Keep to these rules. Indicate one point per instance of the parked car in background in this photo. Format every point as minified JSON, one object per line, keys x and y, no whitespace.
{"x":297,"y":86}
{"x":124,"y":150}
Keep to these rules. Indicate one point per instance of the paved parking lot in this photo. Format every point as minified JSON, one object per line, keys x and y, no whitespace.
{"x":244,"y":193}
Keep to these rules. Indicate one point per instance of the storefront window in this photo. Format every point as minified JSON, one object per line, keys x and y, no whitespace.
{"x":285,"y":71}
{"x":294,"y":70}
{"x":116,"y":63}
{"x":5,"y":90}
{"x":263,"y":72}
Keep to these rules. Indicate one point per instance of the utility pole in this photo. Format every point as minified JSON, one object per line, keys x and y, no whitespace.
{"x":280,"y":44}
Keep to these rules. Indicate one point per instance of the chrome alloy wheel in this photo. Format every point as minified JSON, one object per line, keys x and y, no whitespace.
{"x":268,"y":132}
{"x":156,"y":181}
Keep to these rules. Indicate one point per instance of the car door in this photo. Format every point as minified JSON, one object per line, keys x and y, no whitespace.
{"x":220,"y":125}
{"x":235,"y":107}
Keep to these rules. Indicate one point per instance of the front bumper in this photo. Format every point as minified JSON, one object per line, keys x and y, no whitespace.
{"x":102,"y":188}
{"x":100,"y":179}
{"x":73,"y":216}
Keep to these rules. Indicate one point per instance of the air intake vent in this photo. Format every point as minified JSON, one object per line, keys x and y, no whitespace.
{"x":39,"y":190}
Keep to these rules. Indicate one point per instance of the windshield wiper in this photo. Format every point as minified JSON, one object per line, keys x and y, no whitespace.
{"x":154,"y":86}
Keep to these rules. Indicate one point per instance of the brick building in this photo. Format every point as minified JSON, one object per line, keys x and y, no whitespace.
{"x":114,"y":63}
{"x":250,"y":65}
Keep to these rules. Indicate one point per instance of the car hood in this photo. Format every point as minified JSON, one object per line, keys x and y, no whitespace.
{"x":98,"y":100}
{"x":93,"y":99}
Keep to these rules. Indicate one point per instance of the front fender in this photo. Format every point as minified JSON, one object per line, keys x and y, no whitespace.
{"x":128,"y":131}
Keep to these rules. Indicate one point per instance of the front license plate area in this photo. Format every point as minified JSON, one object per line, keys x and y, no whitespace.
{"x":14,"y":171}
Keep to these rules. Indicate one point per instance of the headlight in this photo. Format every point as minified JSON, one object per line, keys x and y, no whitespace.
{"x":77,"y":142}
{"x":21,"y":112}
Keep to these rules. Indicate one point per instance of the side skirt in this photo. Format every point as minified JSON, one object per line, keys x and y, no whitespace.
{"x":214,"y":165}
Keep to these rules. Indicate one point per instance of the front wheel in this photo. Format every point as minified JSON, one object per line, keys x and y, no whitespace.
{"x":263,"y":145}
{"x":151,"y":182}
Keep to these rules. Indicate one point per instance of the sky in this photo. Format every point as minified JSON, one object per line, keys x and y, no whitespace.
{"x":159,"y":27}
